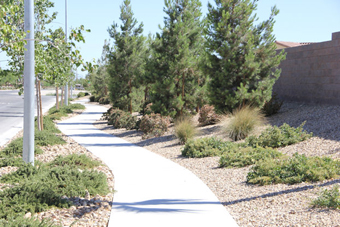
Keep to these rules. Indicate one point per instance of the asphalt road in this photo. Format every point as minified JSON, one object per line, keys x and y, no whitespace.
{"x":12,"y":113}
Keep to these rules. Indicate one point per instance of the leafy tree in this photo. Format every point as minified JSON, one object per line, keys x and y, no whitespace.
{"x":125,"y":62}
{"x":177,"y":52}
{"x":242,"y":56}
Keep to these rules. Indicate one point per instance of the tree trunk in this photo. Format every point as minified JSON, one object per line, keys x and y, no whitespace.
{"x":57,"y":97}
{"x":105,"y":91}
{"x":130,"y":96}
{"x":38,"y":108}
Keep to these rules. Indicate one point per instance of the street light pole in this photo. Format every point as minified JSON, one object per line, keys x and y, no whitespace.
{"x":66,"y":86}
{"x":28,"y":143}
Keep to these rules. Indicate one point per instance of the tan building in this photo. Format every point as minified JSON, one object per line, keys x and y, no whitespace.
{"x":283,"y":45}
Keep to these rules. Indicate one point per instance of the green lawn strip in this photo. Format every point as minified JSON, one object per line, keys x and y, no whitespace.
{"x":245,"y":156}
{"x":296,"y":169}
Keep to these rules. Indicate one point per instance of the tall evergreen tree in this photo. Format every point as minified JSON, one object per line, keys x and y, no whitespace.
{"x":177,"y":52}
{"x":125,"y":62}
{"x":242,"y":57}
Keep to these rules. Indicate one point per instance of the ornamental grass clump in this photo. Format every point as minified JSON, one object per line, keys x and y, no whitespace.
{"x":279,"y":136}
{"x":242,"y":122}
{"x":245,"y":156}
{"x":296,"y":169}
{"x":328,"y":198}
{"x":207,"y":147}
{"x":185,"y":130}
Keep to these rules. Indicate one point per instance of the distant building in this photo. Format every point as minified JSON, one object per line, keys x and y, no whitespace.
{"x":283,"y":45}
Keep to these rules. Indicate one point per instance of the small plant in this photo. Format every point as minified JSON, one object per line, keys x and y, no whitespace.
{"x":242,"y":122}
{"x":296,"y":169}
{"x":328,"y":198}
{"x":11,"y":162}
{"x":87,"y":94}
{"x":154,"y":125}
{"x":185,"y":130}
{"x":245,"y":156}
{"x":92,"y":98}
{"x":80,"y":94}
{"x":27,"y":222}
{"x":206,"y":147}
{"x":104,"y":100}
{"x":207,"y":116}
{"x":279,"y":136}
{"x":121,"y":119}
{"x":44,"y":138}
{"x":80,"y":161}
{"x":15,"y":148}
{"x":272,"y":106}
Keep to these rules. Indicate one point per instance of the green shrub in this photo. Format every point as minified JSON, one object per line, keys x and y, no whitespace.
{"x":49,"y":125}
{"x":11,"y":162}
{"x":242,"y":122}
{"x":27,"y":222}
{"x":75,"y":106}
{"x":86,"y":94}
{"x":121,"y":119}
{"x":272,"y":106}
{"x":80,"y":94}
{"x":185,"y":130}
{"x":80,"y":161}
{"x":92,"y":98}
{"x":279,"y":136}
{"x":15,"y":149}
{"x":296,"y":169}
{"x":154,"y":125}
{"x":63,"y":111}
{"x":206,"y":147}
{"x":328,"y":198}
{"x":44,"y":138}
{"x":104,"y":100}
{"x":207,"y":116}
{"x":245,"y":156}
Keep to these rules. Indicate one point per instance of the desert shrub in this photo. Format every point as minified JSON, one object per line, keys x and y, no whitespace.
{"x":63,"y":111}
{"x":245,"y":156}
{"x":44,"y":138}
{"x":328,"y":198}
{"x":80,"y":94}
{"x":86,"y":94}
{"x":272,"y":106}
{"x":154,"y":125}
{"x":185,"y":130}
{"x":92,"y":98}
{"x":121,"y":119}
{"x":27,"y":222}
{"x":104,"y":100}
{"x":207,"y":116}
{"x":15,"y":149}
{"x":206,"y":147}
{"x":242,"y":122}
{"x":279,"y":136}
{"x":80,"y":161}
{"x":49,"y":125}
{"x":296,"y":169}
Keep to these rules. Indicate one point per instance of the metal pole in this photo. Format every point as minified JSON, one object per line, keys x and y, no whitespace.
{"x":66,"y":86}
{"x":28,"y":146}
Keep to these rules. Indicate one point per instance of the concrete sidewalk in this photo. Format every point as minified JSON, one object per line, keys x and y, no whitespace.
{"x":151,"y":190}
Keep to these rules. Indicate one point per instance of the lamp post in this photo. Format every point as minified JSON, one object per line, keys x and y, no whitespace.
{"x":66,"y":86}
{"x":28,"y":146}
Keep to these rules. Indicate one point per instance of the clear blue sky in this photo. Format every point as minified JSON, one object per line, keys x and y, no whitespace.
{"x":298,"y":20}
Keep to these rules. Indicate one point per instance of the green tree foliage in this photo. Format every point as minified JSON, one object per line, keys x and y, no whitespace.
{"x":177,"y":53}
{"x":242,"y":58}
{"x":125,"y":58}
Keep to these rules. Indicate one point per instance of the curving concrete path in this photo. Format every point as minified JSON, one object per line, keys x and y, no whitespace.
{"x":151,"y":190}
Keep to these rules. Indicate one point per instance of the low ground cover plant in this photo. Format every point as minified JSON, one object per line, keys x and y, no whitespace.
{"x":296,"y":169}
{"x":207,"y":147}
{"x":279,"y":136}
{"x":242,"y":122}
{"x":185,"y":129}
{"x":328,"y":198}
{"x":45,"y":137}
{"x":15,"y":149}
{"x":63,"y":110}
{"x":121,"y":119}
{"x":208,"y":116}
{"x":154,"y":125}
{"x":272,"y":106}
{"x":245,"y":156}
{"x":27,"y":222}
{"x":75,"y":160}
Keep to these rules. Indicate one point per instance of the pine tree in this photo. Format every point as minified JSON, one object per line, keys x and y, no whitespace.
{"x":126,"y":60}
{"x":177,"y":53}
{"x":242,"y":57}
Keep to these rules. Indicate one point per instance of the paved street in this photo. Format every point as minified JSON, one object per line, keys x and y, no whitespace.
{"x":12,"y":112}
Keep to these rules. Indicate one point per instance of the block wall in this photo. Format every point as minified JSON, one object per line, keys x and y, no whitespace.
{"x":311,"y":73}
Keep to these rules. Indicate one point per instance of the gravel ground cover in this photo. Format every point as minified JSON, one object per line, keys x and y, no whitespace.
{"x":252,"y":205}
